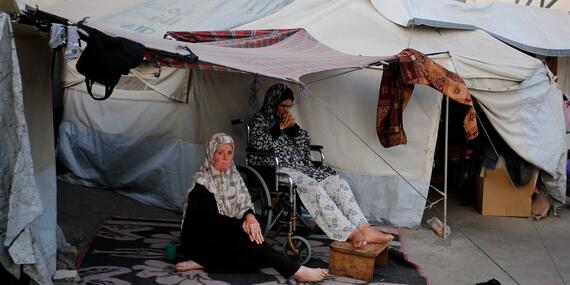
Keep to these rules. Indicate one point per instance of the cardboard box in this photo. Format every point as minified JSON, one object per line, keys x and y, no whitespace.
{"x":496,"y":195}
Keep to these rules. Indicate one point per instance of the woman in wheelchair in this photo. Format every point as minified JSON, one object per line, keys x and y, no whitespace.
{"x":219,"y":231}
{"x":327,"y":197}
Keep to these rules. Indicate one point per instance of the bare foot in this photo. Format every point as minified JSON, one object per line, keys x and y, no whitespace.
{"x":188,"y":265}
{"x":375,"y":236}
{"x":357,"y":238}
{"x":306,"y":274}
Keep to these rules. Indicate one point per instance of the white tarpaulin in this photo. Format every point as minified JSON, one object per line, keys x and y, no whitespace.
{"x":156,"y":17}
{"x":28,"y":188}
{"x":537,"y":30}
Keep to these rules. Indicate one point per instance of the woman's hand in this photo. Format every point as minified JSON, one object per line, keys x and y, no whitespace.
{"x":287,"y":120}
{"x":252,"y":228}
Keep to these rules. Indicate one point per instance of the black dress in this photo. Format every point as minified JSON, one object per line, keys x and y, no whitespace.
{"x":219,"y":242}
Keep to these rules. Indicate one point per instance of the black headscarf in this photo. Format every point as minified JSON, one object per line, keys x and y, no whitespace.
{"x":275,"y":95}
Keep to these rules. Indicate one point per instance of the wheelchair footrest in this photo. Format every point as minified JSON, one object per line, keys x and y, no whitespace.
{"x":358,"y":263}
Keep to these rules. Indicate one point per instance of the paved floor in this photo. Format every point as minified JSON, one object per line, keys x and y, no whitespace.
{"x":511,"y":250}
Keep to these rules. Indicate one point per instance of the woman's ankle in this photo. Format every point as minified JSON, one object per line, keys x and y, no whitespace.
{"x":357,"y":238}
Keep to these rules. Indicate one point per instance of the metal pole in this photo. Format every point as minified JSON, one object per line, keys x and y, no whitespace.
{"x":445,"y":168}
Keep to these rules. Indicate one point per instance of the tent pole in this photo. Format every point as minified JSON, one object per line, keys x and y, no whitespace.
{"x":445,"y":168}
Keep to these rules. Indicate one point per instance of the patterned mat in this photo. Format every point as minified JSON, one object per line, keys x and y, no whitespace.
{"x":132,"y":251}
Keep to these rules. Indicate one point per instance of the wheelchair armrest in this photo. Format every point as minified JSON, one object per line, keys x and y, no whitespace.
{"x":315,"y":147}
{"x":268,"y":153}
{"x":318,"y":148}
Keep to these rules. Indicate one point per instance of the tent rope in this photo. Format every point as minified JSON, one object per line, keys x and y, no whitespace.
{"x":327,"y":107}
{"x":431,"y":205}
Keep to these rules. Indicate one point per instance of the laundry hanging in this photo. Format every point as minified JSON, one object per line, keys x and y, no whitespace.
{"x":413,"y":67}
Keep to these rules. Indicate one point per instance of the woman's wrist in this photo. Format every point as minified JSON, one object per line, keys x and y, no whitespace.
{"x":250,"y":218}
{"x":247,"y":213}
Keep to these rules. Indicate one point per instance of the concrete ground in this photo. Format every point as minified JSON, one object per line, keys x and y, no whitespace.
{"x":511,"y":250}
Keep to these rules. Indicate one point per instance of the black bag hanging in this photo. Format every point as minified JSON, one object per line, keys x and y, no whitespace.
{"x":105,"y":58}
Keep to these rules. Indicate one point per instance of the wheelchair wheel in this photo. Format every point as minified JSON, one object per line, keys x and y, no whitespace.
{"x":304,"y":250}
{"x":259,"y":196}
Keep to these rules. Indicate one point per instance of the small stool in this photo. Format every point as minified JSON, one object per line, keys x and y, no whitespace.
{"x":358,"y":263}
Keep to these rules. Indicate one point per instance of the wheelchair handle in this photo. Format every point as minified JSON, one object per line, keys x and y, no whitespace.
{"x":318,"y":148}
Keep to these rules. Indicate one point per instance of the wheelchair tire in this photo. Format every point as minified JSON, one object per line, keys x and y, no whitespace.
{"x":259,"y":196}
{"x":303,"y":247}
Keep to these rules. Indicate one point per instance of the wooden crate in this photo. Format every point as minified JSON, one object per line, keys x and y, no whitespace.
{"x":358,"y":263}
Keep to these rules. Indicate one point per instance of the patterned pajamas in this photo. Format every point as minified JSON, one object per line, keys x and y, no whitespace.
{"x":330,"y":202}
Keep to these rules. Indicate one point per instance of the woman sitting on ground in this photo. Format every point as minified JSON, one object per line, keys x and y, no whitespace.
{"x":219,"y":231}
{"x":327,"y":197}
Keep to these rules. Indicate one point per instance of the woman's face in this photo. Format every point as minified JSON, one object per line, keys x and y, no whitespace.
{"x":283,"y":107}
{"x":223,"y":157}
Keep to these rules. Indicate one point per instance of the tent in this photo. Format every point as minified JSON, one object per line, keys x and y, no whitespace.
{"x":163,"y":148}
{"x":147,"y":138}
{"x":29,"y":236}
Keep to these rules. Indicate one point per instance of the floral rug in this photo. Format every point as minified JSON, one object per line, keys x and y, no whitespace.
{"x":132,"y":251}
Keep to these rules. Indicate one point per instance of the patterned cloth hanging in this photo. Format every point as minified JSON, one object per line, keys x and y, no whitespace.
{"x":413,"y":67}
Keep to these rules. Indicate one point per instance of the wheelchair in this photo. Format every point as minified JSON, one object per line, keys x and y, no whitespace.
{"x":276,"y":204}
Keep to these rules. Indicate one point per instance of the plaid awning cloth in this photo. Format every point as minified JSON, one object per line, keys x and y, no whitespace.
{"x":281,"y":54}
{"x":239,"y":38}
{"x":285,"y":54}
{"x":232,"y":38}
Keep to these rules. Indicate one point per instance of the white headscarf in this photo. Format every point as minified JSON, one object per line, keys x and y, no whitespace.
{"x":230,"y":192}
